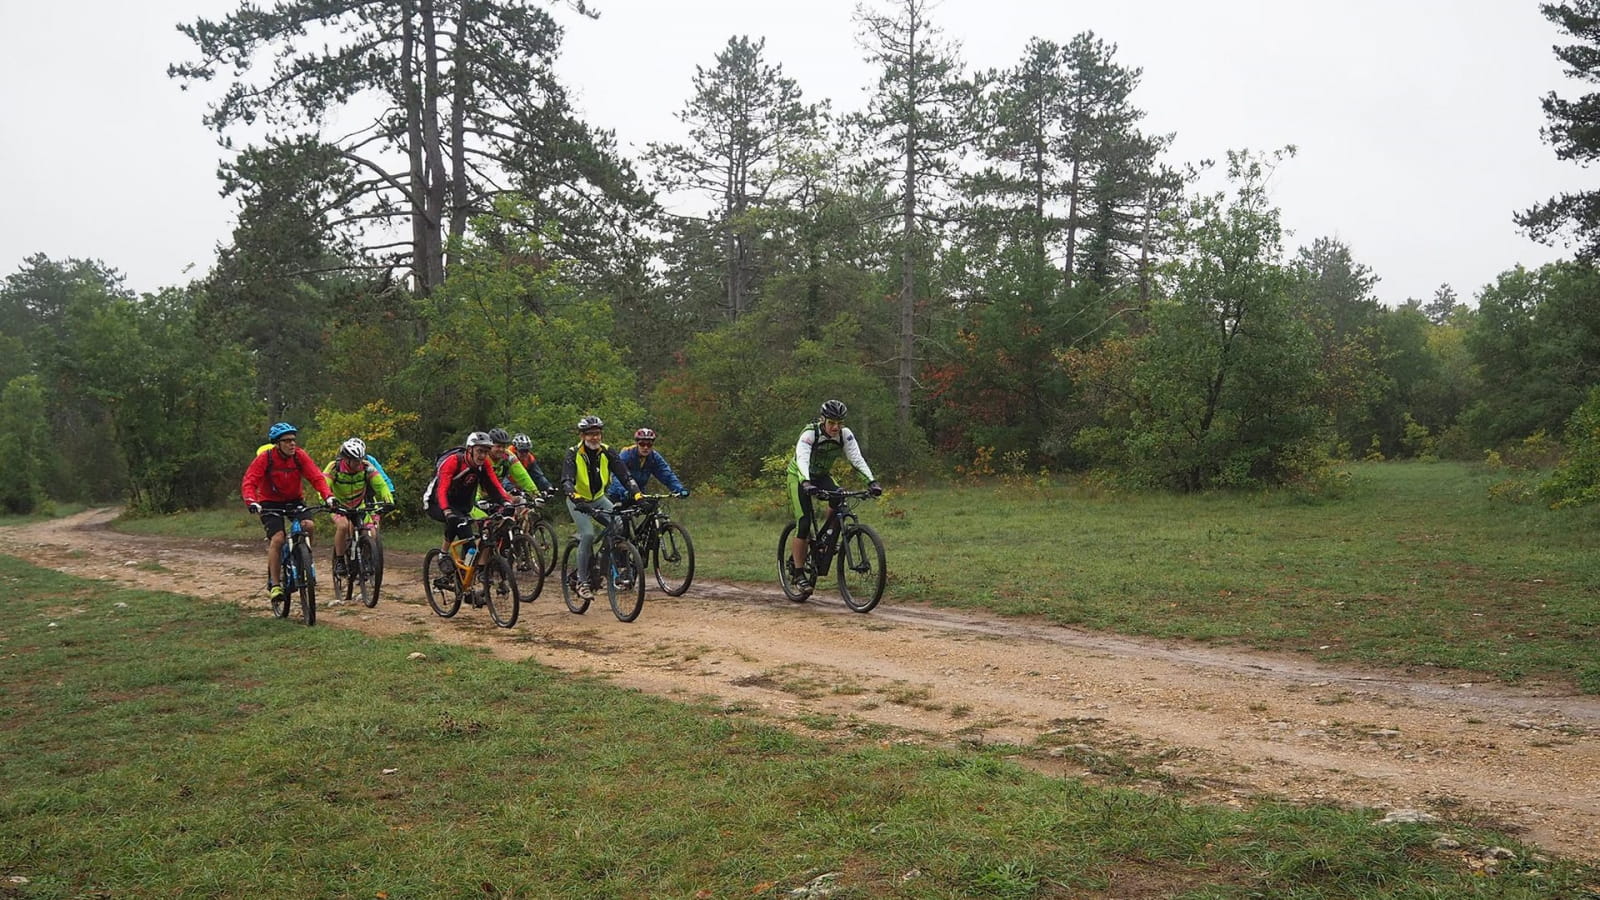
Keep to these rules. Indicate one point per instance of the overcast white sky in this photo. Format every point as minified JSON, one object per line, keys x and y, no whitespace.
{"x":1417,"y":121}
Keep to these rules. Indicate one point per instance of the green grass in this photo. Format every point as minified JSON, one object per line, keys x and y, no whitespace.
{"x":159,"y":745}
{"x":1415,"y":566}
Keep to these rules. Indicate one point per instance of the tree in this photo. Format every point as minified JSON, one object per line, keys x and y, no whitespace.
{"x":1443,"y":306}
{"x":1573,"y":129}
{"x":1218,"y":392}
{"x":24,"y":441}
{"x":456,"y":102}
{"x":746,"y":120}
{"x":1336,"y":300}
{"x":918,"y":117}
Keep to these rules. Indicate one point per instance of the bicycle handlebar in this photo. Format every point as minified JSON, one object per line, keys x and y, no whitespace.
{"x":842,"y":495}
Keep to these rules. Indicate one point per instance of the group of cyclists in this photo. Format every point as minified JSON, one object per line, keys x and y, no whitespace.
{"x":497,"y":465}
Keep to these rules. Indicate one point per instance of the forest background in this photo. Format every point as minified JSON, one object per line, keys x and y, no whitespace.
{"x":1000,"y":271}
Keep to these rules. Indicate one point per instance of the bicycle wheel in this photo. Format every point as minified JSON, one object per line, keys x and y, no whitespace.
{"x":360,"y":563}
{"x":499,"y":582}
{"x":524,"y":558}
{"x":439,"y":580}
{"x":569,"y":563}
{"x":790,"y":590}
{"x":545,"y":543}
{"x":625,"y":581}
{"x":672,"y":557}
{"x":372,"y":567}
{"x":862,"y":568}
{"x":308,"y":584}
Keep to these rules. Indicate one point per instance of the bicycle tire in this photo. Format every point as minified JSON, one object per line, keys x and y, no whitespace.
{"x":446,"y":602}
{"x":575,"y":602}
{"x":625,"y":590}
{"x":360,"y":571}
{"x":672,"y":559}
{"x":862,"y":567}
{"x":789,"y":590}
{"x":524,"y":556}
{"x":500,"y":590}
{"x":308,"y":584}
{"x":373,"y":561}
{"x":545,"y":544}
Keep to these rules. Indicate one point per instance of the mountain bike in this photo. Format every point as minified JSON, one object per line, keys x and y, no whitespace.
{"x":476,"y":570}
{"x":363,"y":558}
{"x":663,"y":544}
{"x":854,"y":549}
{"x":613,"y":560}
{"x":535,"y":543}
{"x":298,"y":568}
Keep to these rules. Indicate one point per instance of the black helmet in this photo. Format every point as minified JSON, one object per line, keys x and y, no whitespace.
{"x":590,"y":423}
{"x":832,"y":409}
{"x":499,"y":436}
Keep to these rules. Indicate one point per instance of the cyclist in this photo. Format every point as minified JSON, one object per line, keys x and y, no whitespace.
{"x":460,"y":474}
{"x":513,"y":475}
{"x":355,"y":481}
{"x":522,"y":445}
{"x":819,"y":446}
{"x":585,"y":474}
{"x":271,"y":489}
{"x":643,"y":461}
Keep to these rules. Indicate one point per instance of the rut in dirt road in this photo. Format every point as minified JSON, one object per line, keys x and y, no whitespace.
{"x":1225,"y":725}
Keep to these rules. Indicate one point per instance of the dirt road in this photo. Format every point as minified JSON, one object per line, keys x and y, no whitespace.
{"x":1228,"y":725}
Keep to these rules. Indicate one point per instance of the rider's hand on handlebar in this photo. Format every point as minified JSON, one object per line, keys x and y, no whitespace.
{"x":682,"y":493}
{"x":875,"y":489}
{"x":809,"y":489}
{"x":254,"y":507}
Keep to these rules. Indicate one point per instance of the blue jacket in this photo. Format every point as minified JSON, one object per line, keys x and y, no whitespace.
{"x":641,"y":471}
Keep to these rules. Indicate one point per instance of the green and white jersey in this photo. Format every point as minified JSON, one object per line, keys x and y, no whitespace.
{"x":815,"y":452}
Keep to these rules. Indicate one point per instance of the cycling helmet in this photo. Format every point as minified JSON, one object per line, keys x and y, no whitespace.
{"x":499,"y":435}
{"x":279,"y":430}
{"x":355,"y":448}
{"x":479,"y":439}
{"x":590,"y":423}
{"x":645,"y":434}
{"x":832,"y":409}
{"x":522,"y":442}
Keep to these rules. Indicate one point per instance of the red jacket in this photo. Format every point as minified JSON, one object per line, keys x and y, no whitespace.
{"x":275,"y":478}
{"x":457,"y":482}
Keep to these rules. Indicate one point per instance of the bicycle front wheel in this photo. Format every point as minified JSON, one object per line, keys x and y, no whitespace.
{"x":785,"y":579}
{"x":545,"y":545}
{"x":371,"y":569}
{"x":625,"y":581}
{"x":308,"y":584}
{"x":862,"y":568}
{"x":439,"y":580}
{"x":576,"y":602}
{"x":672,"y":557}
{"x":500,"y":589}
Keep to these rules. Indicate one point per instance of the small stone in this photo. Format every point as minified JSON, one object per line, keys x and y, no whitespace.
{"x":417,"y":654}
{"x":1407,"y":817}
{"x":1497,"y":853}
{"x":1446,"y":842}
{"x":390,"y":771}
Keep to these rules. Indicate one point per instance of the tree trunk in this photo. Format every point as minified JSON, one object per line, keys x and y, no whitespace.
{"x":433,"y":148}
{"x":421,"y":278}
{"x":908,"y":272}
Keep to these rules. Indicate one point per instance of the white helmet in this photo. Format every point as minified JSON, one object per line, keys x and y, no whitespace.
{"x":355,"y":448}
{"x":479,"y":439}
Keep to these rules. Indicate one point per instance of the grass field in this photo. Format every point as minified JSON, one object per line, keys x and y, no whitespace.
{"x":1414,"y":565}
{"x":163,"y":746}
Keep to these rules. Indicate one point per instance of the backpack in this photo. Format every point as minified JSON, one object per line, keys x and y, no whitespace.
{"x":379,"y":466}
{"x":430,"y":503}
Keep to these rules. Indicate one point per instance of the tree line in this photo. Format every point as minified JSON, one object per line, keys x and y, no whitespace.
{"x":997,"y":269}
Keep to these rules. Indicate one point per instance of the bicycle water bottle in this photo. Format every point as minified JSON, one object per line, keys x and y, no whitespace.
{"x":469,"y":556}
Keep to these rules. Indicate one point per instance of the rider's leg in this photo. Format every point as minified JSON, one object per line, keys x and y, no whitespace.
{"x":274,"y":562}
{"x":586,"y":531}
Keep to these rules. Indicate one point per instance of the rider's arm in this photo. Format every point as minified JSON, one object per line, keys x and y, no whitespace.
{"x":378,"y":486}
{"x":519,"y":476}
{"x":493,"y":481}
{"x":852,"y":452}
{"x":802,"y":452}
{"x":539,"y":478}
{"x":620,"y":470}
{"x":250,"y":486}
{"x":659,"y":468}
{"x":569,"y":473}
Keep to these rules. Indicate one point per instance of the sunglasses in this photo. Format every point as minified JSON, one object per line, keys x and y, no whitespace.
{"x":647,"y":443}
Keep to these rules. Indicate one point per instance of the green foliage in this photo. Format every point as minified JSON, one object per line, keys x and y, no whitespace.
{"x":25,"y":443}
{"x":1219,"y":392}
{"x":1576,"y":480}
{"x":1573,"y":217}
{"x":512,"y":343}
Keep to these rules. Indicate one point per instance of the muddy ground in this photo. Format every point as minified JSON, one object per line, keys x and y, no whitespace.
{"x":1221,"y":725}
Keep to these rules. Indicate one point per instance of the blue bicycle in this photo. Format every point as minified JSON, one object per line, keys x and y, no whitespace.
{"x":299,"y":570}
